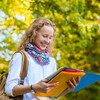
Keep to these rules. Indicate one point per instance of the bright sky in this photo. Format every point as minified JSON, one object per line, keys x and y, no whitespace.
{"x":3,"y":36}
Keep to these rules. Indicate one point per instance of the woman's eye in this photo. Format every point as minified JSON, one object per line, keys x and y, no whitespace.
{"x":50,"y":37}
{"x":44,"y":35}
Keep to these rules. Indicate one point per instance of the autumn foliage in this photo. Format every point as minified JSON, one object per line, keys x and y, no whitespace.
{"x":78,"y":34}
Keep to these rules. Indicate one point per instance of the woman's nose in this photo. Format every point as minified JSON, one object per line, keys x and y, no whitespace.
{"x":47,"y":40}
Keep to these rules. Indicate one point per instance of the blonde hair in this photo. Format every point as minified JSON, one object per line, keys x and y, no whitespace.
{"x":31,"y":32}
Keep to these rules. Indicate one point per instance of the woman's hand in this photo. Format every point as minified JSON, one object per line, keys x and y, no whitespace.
{"x":44,"y":87}
{"x":71,"y":85}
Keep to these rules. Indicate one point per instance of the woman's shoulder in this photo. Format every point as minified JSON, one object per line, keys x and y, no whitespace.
{"x":52,"y":59}
{"x":18,"y":54}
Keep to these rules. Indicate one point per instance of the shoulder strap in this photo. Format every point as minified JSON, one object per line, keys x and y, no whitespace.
{"x":24,"y":67}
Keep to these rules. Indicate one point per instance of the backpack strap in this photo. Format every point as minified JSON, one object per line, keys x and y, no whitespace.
{"x":24,"y":67}
{"x":23,"y":74}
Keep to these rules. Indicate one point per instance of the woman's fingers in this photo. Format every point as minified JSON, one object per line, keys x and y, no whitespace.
{"x":44,"y":80}
{"x":74,"y":82}
{"x":53,"y":84}
{"x":70,"y":84}
{"x":78,"y":79}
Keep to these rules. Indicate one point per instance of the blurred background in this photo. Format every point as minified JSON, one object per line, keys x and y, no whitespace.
{"x":78,"y":35}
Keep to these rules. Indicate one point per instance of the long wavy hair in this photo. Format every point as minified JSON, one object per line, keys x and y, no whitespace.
{"x":31,"y":33}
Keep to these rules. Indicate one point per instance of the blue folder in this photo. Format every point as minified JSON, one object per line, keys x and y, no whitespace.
{"x":86,"y":80}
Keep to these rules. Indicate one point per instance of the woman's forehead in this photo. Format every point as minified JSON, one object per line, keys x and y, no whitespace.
{"x":46,"y":28}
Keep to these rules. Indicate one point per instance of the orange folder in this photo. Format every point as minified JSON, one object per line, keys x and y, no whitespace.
{"x":62,"y":78}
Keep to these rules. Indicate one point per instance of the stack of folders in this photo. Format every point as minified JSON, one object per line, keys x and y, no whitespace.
{"x":62,"y":76}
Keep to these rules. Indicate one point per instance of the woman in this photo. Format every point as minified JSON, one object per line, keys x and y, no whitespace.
{"x":37,"y":43}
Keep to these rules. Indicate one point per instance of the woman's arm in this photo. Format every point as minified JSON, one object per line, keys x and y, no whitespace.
{"x":41,"y":86}
{"x":13,"y":77}
{"x":21,"y":89}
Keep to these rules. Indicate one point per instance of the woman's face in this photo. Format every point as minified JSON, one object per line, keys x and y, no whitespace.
{"x":44,"y":37}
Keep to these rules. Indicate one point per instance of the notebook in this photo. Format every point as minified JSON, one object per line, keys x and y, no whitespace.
{"x":62,"y":76}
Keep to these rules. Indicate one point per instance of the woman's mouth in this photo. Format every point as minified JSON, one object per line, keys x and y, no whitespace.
{"x":44,"y":44}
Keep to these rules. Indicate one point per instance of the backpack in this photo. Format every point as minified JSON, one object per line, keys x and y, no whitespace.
{"x":3,"y":79}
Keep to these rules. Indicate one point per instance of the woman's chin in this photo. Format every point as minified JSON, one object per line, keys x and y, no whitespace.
{"x":42,"y":48}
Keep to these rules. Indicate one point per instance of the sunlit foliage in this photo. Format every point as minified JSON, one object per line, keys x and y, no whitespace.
{"x":78,"y":34}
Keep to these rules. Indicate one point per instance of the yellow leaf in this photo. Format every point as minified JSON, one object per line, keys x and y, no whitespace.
{"x":97,"y":63}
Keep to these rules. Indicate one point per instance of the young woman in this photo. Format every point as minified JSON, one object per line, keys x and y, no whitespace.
{"x":37,"y":43}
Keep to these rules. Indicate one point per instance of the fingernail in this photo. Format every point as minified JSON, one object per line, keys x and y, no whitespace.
{"x":68,"y":80}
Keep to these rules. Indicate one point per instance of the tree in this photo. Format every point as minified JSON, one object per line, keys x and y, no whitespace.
{"x":78,"y":33}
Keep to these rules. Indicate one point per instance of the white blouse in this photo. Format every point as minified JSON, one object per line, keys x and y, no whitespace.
{"x":36,"y":72}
